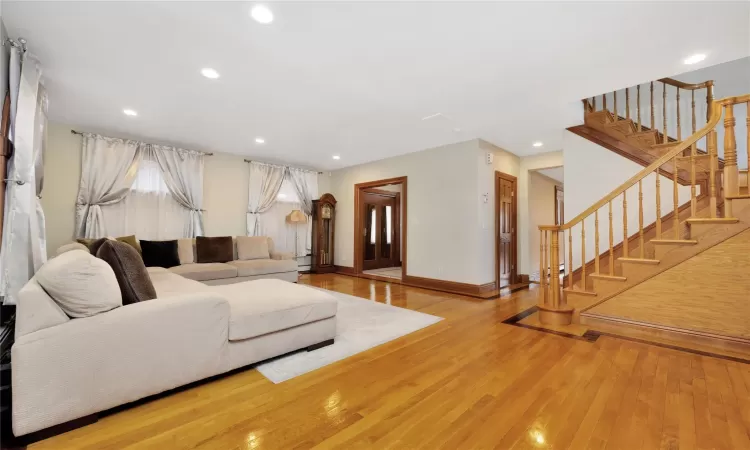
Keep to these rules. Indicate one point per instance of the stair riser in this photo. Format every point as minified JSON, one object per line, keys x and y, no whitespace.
{"x":637,"y":271}
{"x":661,"y":250}
{"x":606,"y":286}
{"x":578,"y":299}
{"x":739,"y":204}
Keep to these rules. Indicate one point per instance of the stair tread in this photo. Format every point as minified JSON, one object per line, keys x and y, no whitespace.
{"x":607,"y":277}
{"x":639,"y":260}
{"x":738,"y":197}
{"x":713,"y":220}
{"x":674,"y":241}
{"x":577,"y":291}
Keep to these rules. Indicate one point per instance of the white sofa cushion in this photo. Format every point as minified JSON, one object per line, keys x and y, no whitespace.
{"x":263,"y":266}
{"x":205,"y":271}
{"x":36,"y":310}
{"x":252,"y":247}
{"x":186,"y":250}
{"x":81,"y":284}
{"x":264,"y":306}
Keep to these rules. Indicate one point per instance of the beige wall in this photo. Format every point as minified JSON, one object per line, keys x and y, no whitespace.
{"x":450,"y":229}
{"x":224,"y":189}
{"x":541,"y":212}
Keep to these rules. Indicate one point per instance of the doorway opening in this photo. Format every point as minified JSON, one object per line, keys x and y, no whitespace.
{"x":506,"y":219}
{"x":380,"y":229}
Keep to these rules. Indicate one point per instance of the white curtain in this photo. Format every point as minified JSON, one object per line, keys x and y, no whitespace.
{"x":21,"y":254}
{"x":38,"y":226}
{"x":148,"y":210}
{"x":274,"y":225}
{"x":183,"y":175}
{"x":265,"y":182}
{"x":305,"y":184}
{"x":108,"y":170}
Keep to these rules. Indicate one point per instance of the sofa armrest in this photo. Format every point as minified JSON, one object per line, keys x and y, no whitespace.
{"x":92,"y":364}
{"x":282,"y":255}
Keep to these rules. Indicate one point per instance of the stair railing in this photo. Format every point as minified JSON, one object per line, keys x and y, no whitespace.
{"x":667,"y":94}
{"x":552,"y":304}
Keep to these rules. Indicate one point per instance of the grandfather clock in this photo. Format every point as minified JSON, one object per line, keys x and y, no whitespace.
{"x":323,"y":216}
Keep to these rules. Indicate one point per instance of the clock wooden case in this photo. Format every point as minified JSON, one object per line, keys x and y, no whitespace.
{"x":323,"y":217}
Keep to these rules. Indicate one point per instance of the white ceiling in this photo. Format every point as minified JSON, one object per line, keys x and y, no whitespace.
{"x":356,"y":78}
{"x":556,"y":173}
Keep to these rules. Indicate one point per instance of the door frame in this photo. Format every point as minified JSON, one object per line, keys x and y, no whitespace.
{"x":359,"y":189}
{"x":559,"y":212}
{"x":514,"y":244}
{"x":396,"y":196}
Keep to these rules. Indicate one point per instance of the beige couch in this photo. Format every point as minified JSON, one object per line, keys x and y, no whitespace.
{"x":64,"y":369}
{"x":264,"y":263}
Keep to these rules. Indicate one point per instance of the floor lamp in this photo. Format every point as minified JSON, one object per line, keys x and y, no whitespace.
{"x":296,"y":217}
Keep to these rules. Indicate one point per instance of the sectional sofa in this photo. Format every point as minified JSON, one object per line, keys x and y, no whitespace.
{"x":66,"y":368}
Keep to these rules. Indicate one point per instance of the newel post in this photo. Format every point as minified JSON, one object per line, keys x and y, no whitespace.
{"x":731,"y":172}
{"x":555,"y":309}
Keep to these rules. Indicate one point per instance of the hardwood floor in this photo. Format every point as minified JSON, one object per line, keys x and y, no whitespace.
{"x":469,"y":381}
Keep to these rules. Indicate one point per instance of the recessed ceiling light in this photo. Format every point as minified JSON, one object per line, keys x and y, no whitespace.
{"x":260,"y":140}
{"x":336,"y":157}
{"x":537,"y":144}
{"x":698,"y":57}
{"x":210,"y":73}
{"x":129,"y":112}
{"x":261,"y":14}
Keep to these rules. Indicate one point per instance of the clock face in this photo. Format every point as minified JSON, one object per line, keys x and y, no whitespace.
{"x":326,"y":211}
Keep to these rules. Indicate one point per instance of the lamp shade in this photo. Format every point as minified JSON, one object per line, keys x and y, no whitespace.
{"x":296,"y":216}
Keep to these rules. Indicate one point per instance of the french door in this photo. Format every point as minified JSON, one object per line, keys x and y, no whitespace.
{"x":379,"y":234}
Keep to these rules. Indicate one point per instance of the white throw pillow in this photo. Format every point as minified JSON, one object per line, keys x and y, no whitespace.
{"x":252,"y":247}
{"x":186,"y":250}
{"x":83,"y":285}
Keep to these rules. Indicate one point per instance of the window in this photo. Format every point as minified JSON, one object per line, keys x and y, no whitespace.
{"x":287,"y":194}
{"x":149,"y":178}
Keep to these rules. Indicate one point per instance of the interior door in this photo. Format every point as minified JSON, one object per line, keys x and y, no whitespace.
{"x":379,"y":231}
{"x":506,"y":231}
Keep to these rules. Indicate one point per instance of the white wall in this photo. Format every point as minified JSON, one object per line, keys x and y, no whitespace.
{"x":4,"y":60}
{"x":224,"y":189}
{"x":541,"y":212}
{"x":592,"y":172}
{"x":450,"y":228}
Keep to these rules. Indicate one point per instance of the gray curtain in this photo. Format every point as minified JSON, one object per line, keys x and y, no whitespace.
{"x":183,"y":174}
{"x":22,"y":249}
{"x":264,"y":185}
{"x":305,"y":184}
{"x":108,"y":169}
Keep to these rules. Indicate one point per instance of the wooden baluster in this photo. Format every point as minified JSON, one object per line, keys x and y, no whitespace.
{"x":604,"y":101}
{"x":712,"y":168}
{"x":658,"y":204}
{"x":583,"y":255}
{"x":627,"y":103}
{"x":625,"y":243}
{"x":593,"y":103}
{"x":652,"y":125}
{"x":693,"y":200}
{"x":641,"y":250}
{"x":546,"y":252}
{"x":570,"y":258}
{"x":731,"y":173}
{"x":692,"y":108}
{"x":747,"y":146}
{"x":638,"y":105}
{"x":679,"y":125}
{"x":614,"y":97}
{"x":596,"y":242}
{"x":709,"y":99}
{"x":555,"y":274}
{"x":541,"y":259}
{"x":664,"y":113}
{"x":675,"y":195}
{"x":611,"y":243}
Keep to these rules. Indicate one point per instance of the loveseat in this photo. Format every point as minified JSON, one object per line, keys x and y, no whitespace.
{"x":65,"y":368}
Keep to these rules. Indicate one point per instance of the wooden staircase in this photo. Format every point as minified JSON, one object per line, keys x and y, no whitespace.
{"x":718,"y":208}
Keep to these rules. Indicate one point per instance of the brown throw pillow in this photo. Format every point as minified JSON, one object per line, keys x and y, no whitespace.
{"x":94,"y":247}
{"x":131,"y":241}
{"x":214,"y":249}
{"x":132,"y":276}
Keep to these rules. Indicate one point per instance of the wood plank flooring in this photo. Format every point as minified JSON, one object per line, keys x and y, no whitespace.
{"x":468,"y":382}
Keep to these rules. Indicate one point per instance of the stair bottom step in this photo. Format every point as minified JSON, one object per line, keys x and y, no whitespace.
{"x":683,"y":339}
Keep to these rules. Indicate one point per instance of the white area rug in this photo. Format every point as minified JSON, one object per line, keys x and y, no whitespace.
{"x":361,"y":324}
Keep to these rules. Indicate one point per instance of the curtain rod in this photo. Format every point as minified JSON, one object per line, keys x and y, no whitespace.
{"x":279,"y":165}
{"x":205,"y":153}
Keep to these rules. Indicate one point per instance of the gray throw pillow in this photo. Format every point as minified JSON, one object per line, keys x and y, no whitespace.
{"x":132,"y":276}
